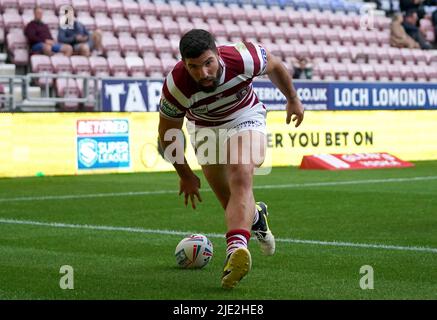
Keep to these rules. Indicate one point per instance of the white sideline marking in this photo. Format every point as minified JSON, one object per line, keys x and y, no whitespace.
{"x":270,"y":186}
{"x":213,"y":235}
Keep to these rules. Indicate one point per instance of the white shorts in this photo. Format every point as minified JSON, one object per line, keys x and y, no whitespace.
{"x":253,"y":119}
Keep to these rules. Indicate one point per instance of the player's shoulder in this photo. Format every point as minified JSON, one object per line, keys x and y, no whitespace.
{"x":178,"y":79}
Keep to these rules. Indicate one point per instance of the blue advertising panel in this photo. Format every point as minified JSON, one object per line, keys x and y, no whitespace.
{"x":103,"y":144}
{"x":131,"y":95}
{"x":144,"y":95}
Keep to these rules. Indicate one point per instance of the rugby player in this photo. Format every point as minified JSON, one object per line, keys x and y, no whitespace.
{"x":212,"y":88}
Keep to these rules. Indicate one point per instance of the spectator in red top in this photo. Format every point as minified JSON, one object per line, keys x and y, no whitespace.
{"x":40,"y":39}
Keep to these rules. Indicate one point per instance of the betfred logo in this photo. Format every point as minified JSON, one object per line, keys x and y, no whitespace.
{"x":102,"y":127}
{"x":103,"y":144}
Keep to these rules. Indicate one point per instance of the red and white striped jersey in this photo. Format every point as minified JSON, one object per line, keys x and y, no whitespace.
{"x":181,"y":96}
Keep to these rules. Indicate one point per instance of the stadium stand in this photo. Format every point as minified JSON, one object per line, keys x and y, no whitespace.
{"x":140,"y":38}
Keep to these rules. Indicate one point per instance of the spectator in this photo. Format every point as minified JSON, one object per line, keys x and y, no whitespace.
{"x":302,"y":68}
{"x":82,"y":41}
{"x":416,"y":5}
{"x":398,"y":37}
{"x":410,"y":26}
{"x":40,"y":39}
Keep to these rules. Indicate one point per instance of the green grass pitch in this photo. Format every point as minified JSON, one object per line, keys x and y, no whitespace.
{"x":127,"y":253}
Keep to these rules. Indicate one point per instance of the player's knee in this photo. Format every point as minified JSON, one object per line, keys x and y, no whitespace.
{"x":240,"y":178}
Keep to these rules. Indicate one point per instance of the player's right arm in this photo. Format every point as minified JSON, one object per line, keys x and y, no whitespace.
{"x":171,"y":139}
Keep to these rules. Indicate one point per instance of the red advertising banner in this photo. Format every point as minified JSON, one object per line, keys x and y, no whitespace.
{"x":353,"y":161}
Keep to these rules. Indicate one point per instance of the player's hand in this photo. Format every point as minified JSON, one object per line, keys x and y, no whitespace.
{"x":190,"y":187}
{"x":294,"y":108}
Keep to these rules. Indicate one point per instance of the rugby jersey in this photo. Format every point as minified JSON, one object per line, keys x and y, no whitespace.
{"x":181,"y":96}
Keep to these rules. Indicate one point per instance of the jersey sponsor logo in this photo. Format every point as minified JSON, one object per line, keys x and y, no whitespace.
{"x":169,"y":109}
{"x":201,"y":109}
{"x":242,"y":93}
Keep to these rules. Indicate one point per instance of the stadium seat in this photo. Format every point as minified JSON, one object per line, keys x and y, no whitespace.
{"x":431,"y":74}
{"x":394,"y":72}
{"x":103,"y":22}
{"x":111,"y":45}
{"x":16,"y":40}
{"x":381,"y":72}
{"x":12,"y":21}
{"x":333,"y":36}
{"x":26,"y":4}
{"x":163,"y":9}
{"x":121,"y":25}
{"x":81,"y":5}
{"x":368,"y":72}
{"x":98,"y":6}
{"x":383,"y":38}
{"x":145,"y":44}
{"x":327,"y":71}
{"x":167,"y":65}
{"x":138,"y":25}
{"x":41,"y":64}
{"x":117,"y":67}
{"x":67,"y":88}
{"x":135,"y":66}
{"x":432,"y":58}
{"x":9,"y":4}
{"x":154,"y":65}
{"x":131,"y":7}
{"x":99,"y":66}
{"x":209,"y":11}
{"x":321,"y":19}
{"x":114,"y":6}
{"x":305,"y":35}
{"x":420,"y":73}
{"x":407,"y":73}
{"x":88,"y":22}
{"x":61,"y":63}
{"x":80,"y":65}
{"x":407,"y":56}
{"x":147,"y":9}
{"x":218,"y":30}
{"x":343,"y":54}
{"x":395,"y":55}
{"x":185,"y":10}
{"x":295,"y":18}
{"x":341,"y":71}
{"x":46,"y":4}
{"x":319,"y":36}
{"x":371,"y":39}
{"x":128,"y":45}
{"x":420,"y":56}
{"x":346,"y":38}
{"x":232,"y":30}
{"x":162,"y":45}
{"x":225,"y":13}
{"x":315,"y":52}
{"x":20,"y":56}
{"x":329,"y":54}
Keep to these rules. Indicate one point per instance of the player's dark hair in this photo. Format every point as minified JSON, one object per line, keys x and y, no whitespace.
{"x":195,"y":42}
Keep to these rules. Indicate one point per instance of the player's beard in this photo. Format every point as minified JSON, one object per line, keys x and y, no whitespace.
{"x":215,"y":82}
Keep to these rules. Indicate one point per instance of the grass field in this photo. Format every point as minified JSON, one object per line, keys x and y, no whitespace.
{"x":114,"y":230}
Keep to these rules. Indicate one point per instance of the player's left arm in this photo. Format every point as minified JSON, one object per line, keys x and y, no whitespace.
{"x":281,"y":78}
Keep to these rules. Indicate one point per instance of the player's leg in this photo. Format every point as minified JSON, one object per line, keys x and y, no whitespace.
{"x":215,"y":174}
{"x":244,"y":150}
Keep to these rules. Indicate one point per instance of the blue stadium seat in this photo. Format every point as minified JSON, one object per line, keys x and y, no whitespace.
{"x":337,"y":6}
{"x":324,"y":5}
{"x":301,"y":4}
